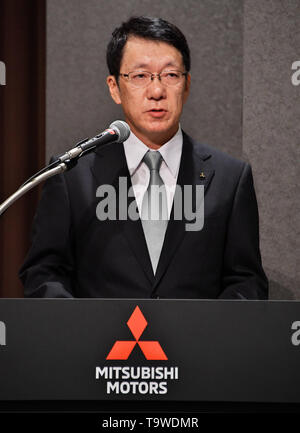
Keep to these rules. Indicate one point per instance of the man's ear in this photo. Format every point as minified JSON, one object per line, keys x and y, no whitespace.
{"x":187,"y":87}
{"x":113,"y":88}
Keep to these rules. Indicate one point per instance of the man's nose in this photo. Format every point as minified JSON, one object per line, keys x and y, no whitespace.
{"x":155,"y":89}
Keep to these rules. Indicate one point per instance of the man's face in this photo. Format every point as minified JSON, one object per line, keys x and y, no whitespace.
{"x":152,"y":112}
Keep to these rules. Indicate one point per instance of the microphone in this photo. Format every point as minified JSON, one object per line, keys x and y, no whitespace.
{"x":118,"y":131}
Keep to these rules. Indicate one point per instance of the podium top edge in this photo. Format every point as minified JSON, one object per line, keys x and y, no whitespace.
{"x":152,"y":300}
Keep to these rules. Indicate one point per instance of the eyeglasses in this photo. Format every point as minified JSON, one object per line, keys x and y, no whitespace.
{"x":144,"y":78}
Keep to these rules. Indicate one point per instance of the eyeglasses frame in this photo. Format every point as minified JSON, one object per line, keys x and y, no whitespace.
{"x":153,"y":75}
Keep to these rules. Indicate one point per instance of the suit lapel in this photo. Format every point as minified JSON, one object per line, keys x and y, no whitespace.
{"x":195,"y":169}
{"x":109,"y":165}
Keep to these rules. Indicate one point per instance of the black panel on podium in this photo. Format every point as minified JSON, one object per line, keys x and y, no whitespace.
{"x":149,"y":353}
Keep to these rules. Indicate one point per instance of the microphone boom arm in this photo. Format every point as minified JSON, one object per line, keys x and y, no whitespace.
{"x":118,"y":132}
{"x":34,"y":182}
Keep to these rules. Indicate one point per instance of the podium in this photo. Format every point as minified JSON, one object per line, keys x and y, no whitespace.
{"x":112,"y":353}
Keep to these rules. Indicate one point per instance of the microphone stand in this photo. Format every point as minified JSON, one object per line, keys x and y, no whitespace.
{"x":60,"y":168}
{"x":69,"y":159}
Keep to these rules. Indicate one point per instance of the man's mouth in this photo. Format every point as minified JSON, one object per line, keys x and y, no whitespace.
{"x":157,"y":113}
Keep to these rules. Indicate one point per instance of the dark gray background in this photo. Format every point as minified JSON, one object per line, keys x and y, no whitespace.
{"x":242,"y":99}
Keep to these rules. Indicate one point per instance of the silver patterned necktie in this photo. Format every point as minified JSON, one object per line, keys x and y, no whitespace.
{"x":154,"y":214}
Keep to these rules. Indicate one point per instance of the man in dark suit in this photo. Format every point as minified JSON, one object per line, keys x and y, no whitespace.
{"x":77,"y":253}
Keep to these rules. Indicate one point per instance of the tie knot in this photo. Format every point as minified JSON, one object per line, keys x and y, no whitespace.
{"x":153,"y":160}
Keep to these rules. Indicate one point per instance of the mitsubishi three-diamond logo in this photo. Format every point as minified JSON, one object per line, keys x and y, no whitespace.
{"x":151,"y":349}
{"x":128,"y":379}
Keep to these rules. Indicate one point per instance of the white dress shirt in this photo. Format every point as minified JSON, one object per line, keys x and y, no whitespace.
{"x":135,"y":151}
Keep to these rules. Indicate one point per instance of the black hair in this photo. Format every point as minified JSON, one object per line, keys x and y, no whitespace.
{"x":155,"y":29}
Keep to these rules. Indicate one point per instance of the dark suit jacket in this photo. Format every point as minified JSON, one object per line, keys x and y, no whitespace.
{"x":75,"y":254}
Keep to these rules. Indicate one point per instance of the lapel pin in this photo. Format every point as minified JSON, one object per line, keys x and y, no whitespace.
{"x":202,"y":175}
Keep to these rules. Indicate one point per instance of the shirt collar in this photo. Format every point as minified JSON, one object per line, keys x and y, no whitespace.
{"x":135,"y":151}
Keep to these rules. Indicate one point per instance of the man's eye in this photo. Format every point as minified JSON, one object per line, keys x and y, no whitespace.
{"x":172,"y":75}
{"x":138,"y":76}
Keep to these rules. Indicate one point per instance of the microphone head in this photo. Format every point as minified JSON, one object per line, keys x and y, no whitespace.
{"x":122,"y":130}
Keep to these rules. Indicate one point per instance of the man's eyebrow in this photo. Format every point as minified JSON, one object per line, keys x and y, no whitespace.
{"x":171,"y":64}
{"x":140,"y":65}
{"x":146,"y":65}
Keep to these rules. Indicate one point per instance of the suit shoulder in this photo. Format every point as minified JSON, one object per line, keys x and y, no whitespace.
{"x":108,"y":153}
{"x":218,"y":157}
